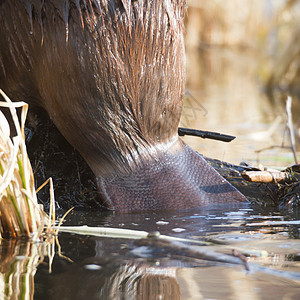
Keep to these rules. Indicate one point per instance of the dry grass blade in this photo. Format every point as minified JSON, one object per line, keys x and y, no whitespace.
{"x":20,"y":213}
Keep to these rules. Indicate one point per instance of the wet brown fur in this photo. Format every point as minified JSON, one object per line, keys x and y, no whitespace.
{"x":111,"y":76}
{"x":109,"y":73}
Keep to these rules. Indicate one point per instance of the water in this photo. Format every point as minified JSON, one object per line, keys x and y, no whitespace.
{"x":93,"y":267}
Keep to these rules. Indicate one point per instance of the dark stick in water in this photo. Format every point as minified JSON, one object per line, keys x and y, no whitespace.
{"x":206,"y":134}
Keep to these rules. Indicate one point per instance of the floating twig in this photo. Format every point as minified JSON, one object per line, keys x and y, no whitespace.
{"x":138,"y":234}
{"x":122,"y":233}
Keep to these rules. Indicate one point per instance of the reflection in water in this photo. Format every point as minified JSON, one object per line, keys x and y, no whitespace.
{"x":143,"y":282}
{"x":106,"y":268}
{"x":115,"y":280}
{"x":18,"y":264}
{"x":227,"y":283}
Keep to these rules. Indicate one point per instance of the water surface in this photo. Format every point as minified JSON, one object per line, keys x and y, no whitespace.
{"x":114,"y":268}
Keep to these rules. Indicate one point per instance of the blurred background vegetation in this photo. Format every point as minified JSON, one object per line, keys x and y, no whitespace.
{"x":243,"y":59}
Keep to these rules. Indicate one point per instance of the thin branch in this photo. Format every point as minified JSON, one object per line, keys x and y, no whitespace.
{"x":290,"y":126}
{"x":206,"y":134}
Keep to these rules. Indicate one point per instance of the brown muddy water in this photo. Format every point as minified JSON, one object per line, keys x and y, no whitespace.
{"x":225,"y":95}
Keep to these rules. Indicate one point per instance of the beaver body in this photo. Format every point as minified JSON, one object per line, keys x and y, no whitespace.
{"x":111,"y":74}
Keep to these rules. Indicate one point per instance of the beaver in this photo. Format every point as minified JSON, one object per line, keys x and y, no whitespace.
{"x":111,"y":75}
